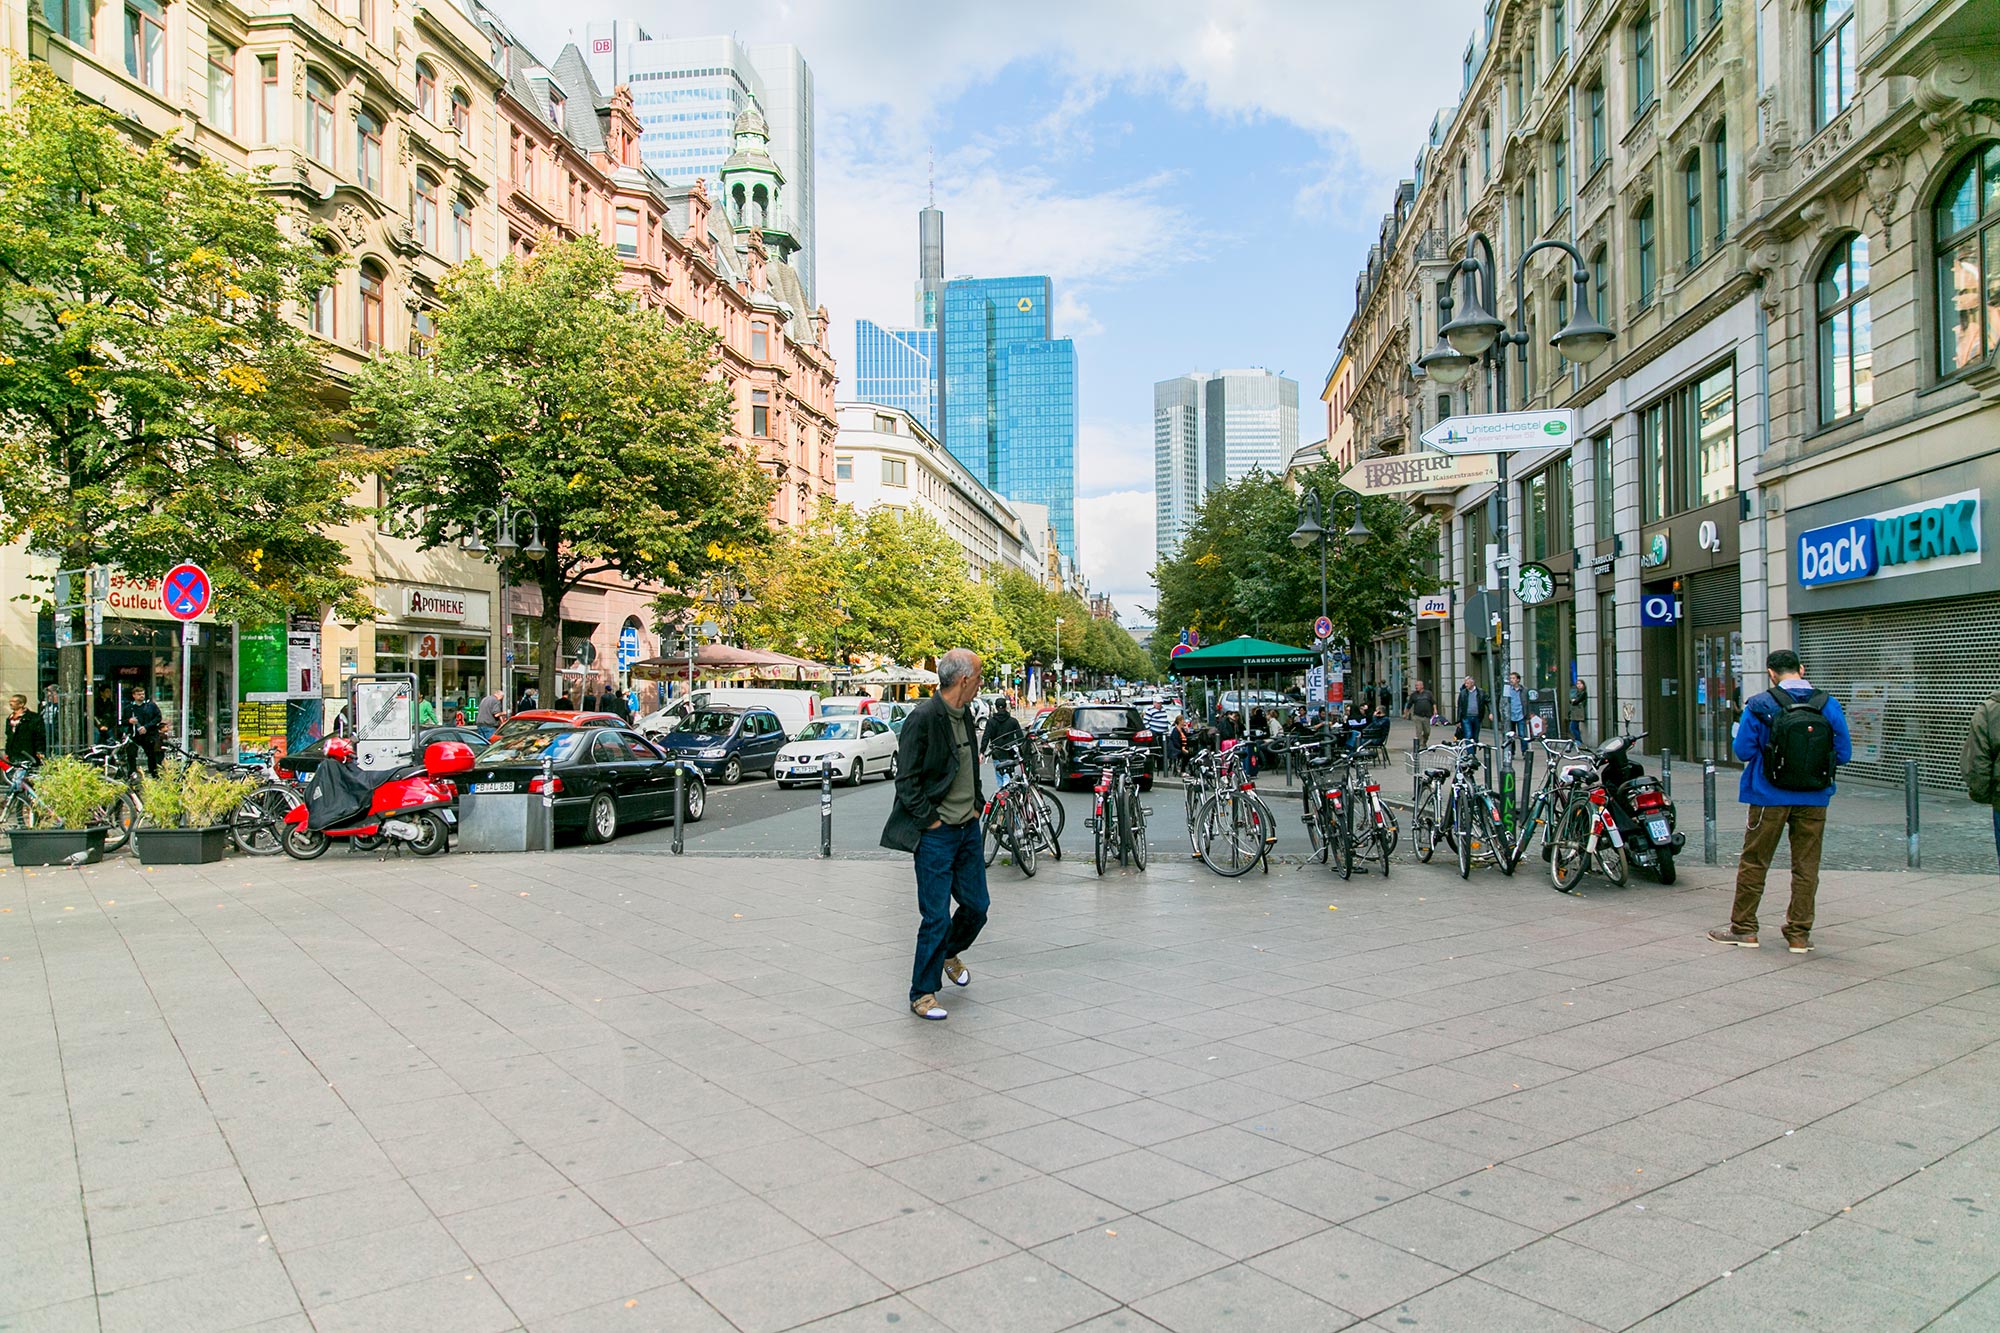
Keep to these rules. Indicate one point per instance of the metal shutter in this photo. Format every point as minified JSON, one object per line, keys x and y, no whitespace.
{"x":1938,"y":662}
{"x":1714,"y":599}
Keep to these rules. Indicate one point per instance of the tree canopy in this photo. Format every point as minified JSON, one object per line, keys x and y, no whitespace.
{"x":547,"y":388}
{"x":157,"y":402}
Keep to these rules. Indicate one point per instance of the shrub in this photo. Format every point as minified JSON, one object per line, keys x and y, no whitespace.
{"x":210,"y":797}
{"x":160,"y":794}
{"x":76,"y":793}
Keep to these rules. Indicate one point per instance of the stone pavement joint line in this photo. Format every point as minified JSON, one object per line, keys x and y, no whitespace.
{"x":620,"y":1090}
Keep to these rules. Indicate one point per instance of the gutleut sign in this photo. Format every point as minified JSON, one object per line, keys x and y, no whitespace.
{"x":1915,"y":539}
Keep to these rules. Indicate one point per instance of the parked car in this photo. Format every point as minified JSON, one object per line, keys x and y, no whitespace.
{"x":858,"y":747}
{"x":726,"y":743}
{"x":1077,"y":736}
{"x":606,"y":777}
{"x":304,"y":761}
{"x":794,"y":708}
{"x":550,"y":719}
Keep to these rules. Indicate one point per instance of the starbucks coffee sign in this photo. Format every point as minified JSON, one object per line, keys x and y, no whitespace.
{"x":1535,"y":584}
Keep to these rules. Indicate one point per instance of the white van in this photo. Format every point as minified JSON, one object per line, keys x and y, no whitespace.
{"x":794,"y":708}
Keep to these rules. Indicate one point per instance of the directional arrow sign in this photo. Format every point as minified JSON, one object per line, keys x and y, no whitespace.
{"x":1502,"y":432}
{"x":1420,"y":471}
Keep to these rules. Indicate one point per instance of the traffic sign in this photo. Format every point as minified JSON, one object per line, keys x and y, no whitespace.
{"x":1322,"y":628}
{"x":1502,"y":432}
{"x":628,"y":647}
{"x":186,"y":591}
{"x":1179,"y":649}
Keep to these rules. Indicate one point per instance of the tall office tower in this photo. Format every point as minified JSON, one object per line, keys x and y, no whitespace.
{"x":897,"y":368}
{"x":930,"y":265}
{"x":1008,"y":396}
{"x":688,"y":92}
{"x":1179,"y":468}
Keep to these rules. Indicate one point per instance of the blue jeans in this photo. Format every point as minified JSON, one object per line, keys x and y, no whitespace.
{"x":951,"y":864}
{"x":1469,"y":728}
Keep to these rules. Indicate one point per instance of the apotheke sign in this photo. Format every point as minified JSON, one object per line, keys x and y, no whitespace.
{"x":430,"y":604}
{"x":1915,"y":539}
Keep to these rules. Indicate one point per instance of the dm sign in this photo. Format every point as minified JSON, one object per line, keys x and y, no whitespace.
{"x":1916,"y":539}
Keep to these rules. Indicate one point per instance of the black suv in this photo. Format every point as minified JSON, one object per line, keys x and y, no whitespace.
{"x":1075,"y":736}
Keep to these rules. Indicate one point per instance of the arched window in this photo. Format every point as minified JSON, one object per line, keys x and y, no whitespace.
{"x":1644,"y":252}
{"x":1691,"y":202}
{"x":373,"y":285}
{"x":1642,"y":62}
{"x":368,"y":150}
{"x":1833,"y":58}
{"x":1966,"y":219}
{"x":319,"y":119}
{"x":461,"y":229}
{"x":1846,"y":385}
{"x":461,"y":113}
{"x":427,"y":91}
{"x":1718,"y":160}
{"x":424,"y":210}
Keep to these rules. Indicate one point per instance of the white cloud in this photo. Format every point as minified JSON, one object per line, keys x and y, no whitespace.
{"x":1113,"y":455}
{"x":1115,"y":535}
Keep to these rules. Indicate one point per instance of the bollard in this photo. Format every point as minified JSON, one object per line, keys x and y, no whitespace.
{"x":1708,"y":811}
{"x":1416,"y":771}
{"x":1667,"y":773}
{"x":680,"y":805}
{"x":1910,"y":815}
{"x":826,"y":807}
{"x":548,"y":804}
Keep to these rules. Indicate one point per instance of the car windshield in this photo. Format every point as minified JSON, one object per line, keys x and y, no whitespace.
{"x":830,"y":729}
{"x":840,"y":708}
{"x":1099,"y":720}
{"x":707,"y":720}
{"x":532,"y":747}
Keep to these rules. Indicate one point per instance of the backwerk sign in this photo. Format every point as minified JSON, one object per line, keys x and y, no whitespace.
{"x":1916,"y":539}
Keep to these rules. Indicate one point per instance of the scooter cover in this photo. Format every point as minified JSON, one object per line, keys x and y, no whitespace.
{"x":336,"y":796}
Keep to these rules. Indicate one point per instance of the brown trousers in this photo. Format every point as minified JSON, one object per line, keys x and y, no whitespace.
{"x":1760,"y":843}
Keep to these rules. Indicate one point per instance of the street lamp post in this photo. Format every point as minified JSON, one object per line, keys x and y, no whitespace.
{"x":1480,"y":335}
{"x":1313,"y":517}
{"x":504,"y":522}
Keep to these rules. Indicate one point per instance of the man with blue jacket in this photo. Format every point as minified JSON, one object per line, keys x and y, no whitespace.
{"x":1790,"y":741}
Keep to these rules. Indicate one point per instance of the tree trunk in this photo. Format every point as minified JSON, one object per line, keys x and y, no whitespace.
{"x":551,"y":581}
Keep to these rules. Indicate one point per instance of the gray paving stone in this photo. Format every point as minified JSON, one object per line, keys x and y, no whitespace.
{"x":1236,"y":1221}
{"x":1018,"y":1294}
{"x":1330,"y":1190}
{"x":1521,"y":1196}
{"x":1585,"y":1283}
{"x":841,"y":1203}
{"x":1130,"y":1257}
{"x":945,"y":1174}
{"x":361,"y":1265}
{"x":1468,"y":1303}
{"x":718,"y":1236}
{"x":910,"y":1249}
{"x":452,"y":1303}
{"x":519,"y":1226}
{"x":1140,"y":1179}
{"x":215,"y":1297}
{"x":1037,"y":1210}
{"x":664,"y":1191}
{"x":1242,"y":1299}
{"x":570,"y":1277}
{"x":1443,"y":1231}
{"x":784,"y":1288}
{"x":1352,"y":1271}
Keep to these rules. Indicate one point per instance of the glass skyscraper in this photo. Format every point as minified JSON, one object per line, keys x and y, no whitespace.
{"x":897,"y":368}
{"x":1007,"y":394}
{"x":1211,"y":428}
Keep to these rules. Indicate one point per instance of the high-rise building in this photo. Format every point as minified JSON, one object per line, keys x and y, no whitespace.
{"x":1211,"y":428}
{"x":690,"y":90}
{"x":930,"y":266}
{"x":1007,"y":393}
{"x":897,"y":368}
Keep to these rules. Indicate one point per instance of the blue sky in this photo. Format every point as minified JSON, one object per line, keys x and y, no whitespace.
{"x":1202,"y":179}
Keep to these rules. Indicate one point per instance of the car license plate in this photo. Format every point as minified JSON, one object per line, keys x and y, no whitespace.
{"x":1658,"y":828}
{"x":493,"y":787}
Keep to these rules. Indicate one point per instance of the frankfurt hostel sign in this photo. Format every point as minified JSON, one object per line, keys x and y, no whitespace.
{"x":1420,"y":471}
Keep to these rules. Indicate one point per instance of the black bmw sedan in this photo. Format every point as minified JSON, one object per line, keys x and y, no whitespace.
{"x":604,"y":777}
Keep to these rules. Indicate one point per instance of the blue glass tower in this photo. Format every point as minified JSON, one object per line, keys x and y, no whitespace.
{"x":896,"y":367}
{"x":1007,"y":394}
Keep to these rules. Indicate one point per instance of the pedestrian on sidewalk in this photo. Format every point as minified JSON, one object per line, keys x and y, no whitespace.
{"x":149,"y":725}
{"x":1157,"y":720}
{"x":1790,"y":740}
{"x":1514,"y":702}
{"x":427,"y":713}
{"x":936,"y":816}
{"x":27,"y":739}
{"x":1982,"y":759}
{"x":1420,"y":710}
{"x":1471,"y":709}
{"x":487,"y":718}
{"x":1579,"y":703}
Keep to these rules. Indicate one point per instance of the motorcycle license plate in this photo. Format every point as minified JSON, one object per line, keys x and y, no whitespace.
{"x":494,"y":787}
{"x":1659,"y":831}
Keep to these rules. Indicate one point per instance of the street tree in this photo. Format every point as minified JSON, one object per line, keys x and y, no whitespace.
{"x":158,"y":400}
{"x":595,"y":423}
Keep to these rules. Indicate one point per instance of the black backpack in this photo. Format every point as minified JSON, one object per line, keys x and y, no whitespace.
{"x":1798,"y":752}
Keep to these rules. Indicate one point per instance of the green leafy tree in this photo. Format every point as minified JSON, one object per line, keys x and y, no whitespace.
{"x":157,"y":403}
{"x":549,"y":388}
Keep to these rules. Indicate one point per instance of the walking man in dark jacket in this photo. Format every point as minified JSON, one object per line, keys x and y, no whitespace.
{"x":1471,"y":709}
{"x":1982,"y":759}
{"x":149,"y":726}
{"x":1783,"y":801}
{"x":936,"y":815}
{"x":27,"y":739}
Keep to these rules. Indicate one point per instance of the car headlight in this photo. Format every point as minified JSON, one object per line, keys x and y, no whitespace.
{"x":715,"y":753}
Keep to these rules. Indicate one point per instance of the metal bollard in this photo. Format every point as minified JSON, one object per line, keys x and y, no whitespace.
{"x":680,"y":806}
{"x":826,"y":807}
{"x":1911,"y":817}
{"x":1708,"y":811}
{"x":548,"y":804}
{"x":1416,"y":771}
{"x":1667,"y":773}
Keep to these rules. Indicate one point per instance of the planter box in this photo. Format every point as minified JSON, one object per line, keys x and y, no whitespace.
{"x":53,"y":846}
{"x":181,"y":846}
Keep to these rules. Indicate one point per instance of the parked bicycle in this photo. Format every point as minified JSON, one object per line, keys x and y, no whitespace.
{"x":1117,"y":819}
{"x":1551,"y":802}
{"x":1022,"y":816}
{"x":1588,"y":835}
{"x":1231,"y":829}
{"x":257,"y":828}
{"x":1454,"y":804}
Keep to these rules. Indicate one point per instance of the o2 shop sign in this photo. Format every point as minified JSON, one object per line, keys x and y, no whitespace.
{"x":1916,"y":539}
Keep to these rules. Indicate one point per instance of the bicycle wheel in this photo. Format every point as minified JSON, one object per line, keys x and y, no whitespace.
{"x":995,"y":826}
{"x":1135,"y":829}
{"x":1054,"y":816}
{"x":1424,"y":823}
{"x":258,"y":827}
{"x":1021,"y":837}
{"x":1383,"y":844}
{"x":16,"y":813}
{"x":1340,"y":846}
{"x":1496,"y":835}
{"x":1392,"y":829}
{"x":1315,"y":820}
{"x":1461,"y":830}
{"x":1572,"y":848}
{"x":1101,"y":849}
{"x":1227,"y":839}
{"x":1611,"y":862}
{"x":122,"y":815}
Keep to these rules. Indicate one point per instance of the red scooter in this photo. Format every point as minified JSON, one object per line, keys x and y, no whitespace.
{"x":404,"y":805}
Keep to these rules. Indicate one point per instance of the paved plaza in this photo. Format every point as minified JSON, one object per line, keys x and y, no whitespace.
{"x":615,"y":1089}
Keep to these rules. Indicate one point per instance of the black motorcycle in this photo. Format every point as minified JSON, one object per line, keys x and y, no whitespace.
{"x":1646,"y":819}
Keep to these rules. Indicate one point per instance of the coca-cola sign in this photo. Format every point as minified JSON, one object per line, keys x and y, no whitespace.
{"x":433,"y":604}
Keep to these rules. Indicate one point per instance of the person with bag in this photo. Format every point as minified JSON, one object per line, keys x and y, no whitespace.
{"x":1790,"y":739}
{"x":1579,"y":704}
{"x":1981,"y":759}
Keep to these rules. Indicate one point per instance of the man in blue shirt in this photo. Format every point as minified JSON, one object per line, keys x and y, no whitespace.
{"x":1774,"y":809}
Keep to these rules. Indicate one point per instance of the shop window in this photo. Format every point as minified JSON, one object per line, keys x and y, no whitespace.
{"x":372,"y":305}
{"x":1846,"y":383}
{"x":1476,"y":537}
{"x":1966,"y":223}
{"x":1687,"y":447}
{"x":222,"y":87}
{"x":71,"y":19}
{"x":319,"y":119}
{"x":1833,"y":59}
{"x":368,"y":151}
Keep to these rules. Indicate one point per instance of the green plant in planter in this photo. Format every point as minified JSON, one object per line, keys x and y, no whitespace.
{"x":77,"y":794}
{"x":160,"y":794}
{"x":211,"y":797}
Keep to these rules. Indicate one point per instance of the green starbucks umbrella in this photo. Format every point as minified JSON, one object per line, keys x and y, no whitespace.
{"x":1239,"y":655}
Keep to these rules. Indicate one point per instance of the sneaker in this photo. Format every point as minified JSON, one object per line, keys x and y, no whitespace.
{"x":1742,"y":939}
{"x":1802,"y":944}
{"x":926,"y":1006}
{"x":955,"y":972}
